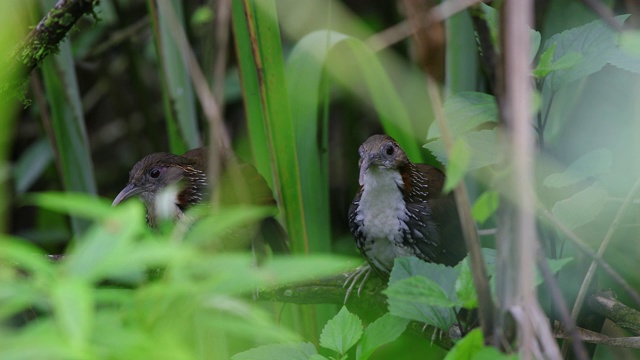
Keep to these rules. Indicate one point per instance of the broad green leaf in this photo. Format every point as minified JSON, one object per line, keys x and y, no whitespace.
{"x":73,"y":308}
{"x":464,"y":112}
{"x":418,"y":298}
{"x":424,"y":293}
{"x":485,"y":206}
{"x":483,"y":147}
{"x":596,"y":42}
{"x":293,"y":351}
{"x":591,"y":164}
{"x":385,"y":329}
{"x":341,"y":332}
{"x":465,"y":290}
{"x":581,"y":208}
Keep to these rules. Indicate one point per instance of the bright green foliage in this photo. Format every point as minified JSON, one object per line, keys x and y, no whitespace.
{"x":485,"y":206}
{"x":342,"y":332}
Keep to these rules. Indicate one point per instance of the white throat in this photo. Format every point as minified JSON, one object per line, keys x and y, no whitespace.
{"x":383,"y":215}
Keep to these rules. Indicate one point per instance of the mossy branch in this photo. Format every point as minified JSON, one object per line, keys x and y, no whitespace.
{"x":45,"y":38}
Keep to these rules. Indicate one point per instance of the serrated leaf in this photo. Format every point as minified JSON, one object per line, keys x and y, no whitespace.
{"x":483,"y":145}
{"x":465,"y":289}
{"x":422,"y":306}
{"x":385,"y":329}
{"x":580,"y":208}
{"x":485,"y":206}
{"x":591,"y":164}
{"x":293,"y":351}
{"x":457,"y":166}
{"x":341,"y":332}
{"x":596,"y":42}
{"x":465,"y":111}
{"x":418,"y":298}
{"x":547,"y":65}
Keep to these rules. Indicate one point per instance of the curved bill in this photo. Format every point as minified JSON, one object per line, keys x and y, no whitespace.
{"x":128,"y":191}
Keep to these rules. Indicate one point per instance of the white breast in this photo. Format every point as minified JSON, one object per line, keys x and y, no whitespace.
{"x":382,"y":214}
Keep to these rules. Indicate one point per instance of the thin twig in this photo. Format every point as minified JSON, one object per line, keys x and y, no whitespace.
{"x":604,"y":12}
{"x":582,"y":293}
{"x":403,"y":30}
{"x":582,"y":246}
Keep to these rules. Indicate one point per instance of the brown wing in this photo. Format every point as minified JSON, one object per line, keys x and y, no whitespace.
{"x":445,"y":214}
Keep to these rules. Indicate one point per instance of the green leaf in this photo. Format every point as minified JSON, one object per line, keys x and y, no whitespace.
{"x":31,"y":164}
{"x":547,"y":65}
{"x":73,"y":308}
{"x":465,"y":289}
{"x":425,"y":292}
{"x":293,"y":351}
{"x":595,"y":42}
{"x":466,"y":348}
{"x":581,"y":208}
{"x":77,"y":204}
{"x":485,"y":206}
{"x":385,"y":329}
{"x":457,"y":167}
{"x":341,"y":332}
{"x":591,"y":164}
{"x":483,"y":147}
{"x":555,"y":265}
{"x":464,"y":112}
{"x":105,"y":245}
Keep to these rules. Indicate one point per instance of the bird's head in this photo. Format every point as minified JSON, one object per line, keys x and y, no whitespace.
{"x":152,"y":174}
{"x":380,"y":152}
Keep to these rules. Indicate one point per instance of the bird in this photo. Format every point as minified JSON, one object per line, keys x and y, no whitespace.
{"x":240,"y":183}
{"x":400,"y":210}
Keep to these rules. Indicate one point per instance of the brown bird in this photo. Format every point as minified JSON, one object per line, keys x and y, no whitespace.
{"x":400,"y":210}
{"x":240,"y":183}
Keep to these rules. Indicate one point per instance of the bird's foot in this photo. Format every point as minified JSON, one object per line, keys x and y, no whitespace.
{"x":362,"y":272}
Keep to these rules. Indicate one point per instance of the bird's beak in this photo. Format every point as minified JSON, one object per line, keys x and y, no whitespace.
{"x":364,"y":166}
{"x":129,"y":191}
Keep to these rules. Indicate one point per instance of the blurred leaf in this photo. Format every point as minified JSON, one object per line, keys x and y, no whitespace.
{"x":467,"y":347}
{"x":341,"y":332}
{"x":293,"y":351}
{"x":546,"y":64}
{"x":581,"y":208}
{"x":595,"y":42}
{"x":77,"y":204}
{"x":106,"y":245}
{"x":555,"y":265}
{"x":73,"y":309}
{"x":385,"y":329}
{"x":485,"y":206}
{"x":465,"y":288}
{"x":31,"y":164}
{"x":457,"y":167}
{"x":201,"y":16}
{"x":20,"y":253}
{"x":212,"y":227}
{"x":588,"y":165}
{"x":483,"y":146}
{"x":464,"y":112}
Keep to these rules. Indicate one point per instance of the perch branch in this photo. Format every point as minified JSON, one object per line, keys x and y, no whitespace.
{"x":46,"y":36}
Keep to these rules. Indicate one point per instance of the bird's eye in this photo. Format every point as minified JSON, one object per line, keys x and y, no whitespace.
{"x":154,"y":173}
{"x":389,"y":149}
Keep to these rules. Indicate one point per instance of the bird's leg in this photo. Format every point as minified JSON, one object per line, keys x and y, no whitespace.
{"x":362,"y":272}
